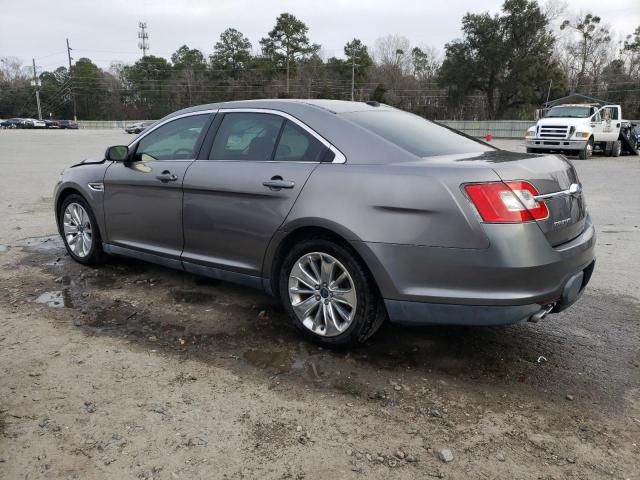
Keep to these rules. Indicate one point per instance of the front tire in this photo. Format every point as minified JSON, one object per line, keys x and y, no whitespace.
{"x":80,"y":232}
{"x":329,"y":294}
{"x":587,"y":151}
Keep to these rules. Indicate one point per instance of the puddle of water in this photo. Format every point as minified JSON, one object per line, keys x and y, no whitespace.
{"x":4,"y":248}
{"x":41,"y":244}
{"x":205,"y":281}
{"x":190,"y":296}
{"x":55,"y":299}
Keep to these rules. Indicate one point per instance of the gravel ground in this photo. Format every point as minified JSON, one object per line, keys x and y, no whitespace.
{"x":134,"y":371}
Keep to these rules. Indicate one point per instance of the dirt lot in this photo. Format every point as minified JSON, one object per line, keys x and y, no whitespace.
{"x":134,"y":371}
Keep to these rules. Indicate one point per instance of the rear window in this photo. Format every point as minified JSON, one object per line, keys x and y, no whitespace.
{"x":415,"y":134}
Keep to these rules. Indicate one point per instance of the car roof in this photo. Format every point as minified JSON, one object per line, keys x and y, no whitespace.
{"x":290,"y":105}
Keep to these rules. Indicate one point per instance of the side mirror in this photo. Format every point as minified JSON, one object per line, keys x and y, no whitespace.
{"x":118,"y":153}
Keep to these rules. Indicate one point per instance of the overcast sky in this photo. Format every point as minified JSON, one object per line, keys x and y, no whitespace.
{"x":107,"y":30}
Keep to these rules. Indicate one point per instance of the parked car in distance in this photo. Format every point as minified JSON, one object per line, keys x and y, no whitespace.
{"x":348,"y":212}
{"x":138,"y":127}
{"x":51,"y":124}
{"x":67,"y":124}
{"x":13,"y":123}
{"x":33,"y":123}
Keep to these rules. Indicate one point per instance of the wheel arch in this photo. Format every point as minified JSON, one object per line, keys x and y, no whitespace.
{"x":286,"y":239}
{"x":64,"y":193}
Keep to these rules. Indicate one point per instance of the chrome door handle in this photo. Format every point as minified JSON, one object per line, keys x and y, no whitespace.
{"x":167,"y":176}
{"x":276,"y":183}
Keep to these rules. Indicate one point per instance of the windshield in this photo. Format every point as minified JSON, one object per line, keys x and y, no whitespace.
{"x":569,"y":112}
{"x":415,"y":134}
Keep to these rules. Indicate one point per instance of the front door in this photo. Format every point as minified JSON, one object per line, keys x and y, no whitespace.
{"x":143,"y":197}
{"x":241,"y":192}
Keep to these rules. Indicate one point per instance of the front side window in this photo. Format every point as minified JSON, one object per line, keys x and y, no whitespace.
{"x":175,"y":140}
{"x":246,"y":136}
{"x":415,"y":134}
{"x":296,"y":145}
{"x":613,"y":113}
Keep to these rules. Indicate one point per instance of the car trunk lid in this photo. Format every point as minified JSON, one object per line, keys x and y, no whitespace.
{"x":550,"y":174}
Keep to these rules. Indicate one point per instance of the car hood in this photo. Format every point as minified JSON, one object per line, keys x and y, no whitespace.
{"x":563,"y":121}
{"x":88,"y":161}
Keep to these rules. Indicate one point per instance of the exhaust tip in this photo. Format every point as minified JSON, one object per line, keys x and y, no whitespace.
{"x":540,"y":314}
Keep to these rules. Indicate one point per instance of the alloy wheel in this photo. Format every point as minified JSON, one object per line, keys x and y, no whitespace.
{"x":78,"y":231}
{"x":322,"y":294}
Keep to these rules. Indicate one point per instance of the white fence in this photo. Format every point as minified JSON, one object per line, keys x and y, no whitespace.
{"x":497,"y":129}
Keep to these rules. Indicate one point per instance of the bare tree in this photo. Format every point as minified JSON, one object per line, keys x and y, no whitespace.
{"x":393,"y":51}
{"x":593,"y":39}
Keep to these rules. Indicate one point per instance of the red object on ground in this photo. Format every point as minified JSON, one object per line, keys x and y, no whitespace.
{"x":488,"y":137}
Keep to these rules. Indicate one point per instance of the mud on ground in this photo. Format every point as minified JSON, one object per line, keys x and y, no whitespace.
{"x":134,"y":371}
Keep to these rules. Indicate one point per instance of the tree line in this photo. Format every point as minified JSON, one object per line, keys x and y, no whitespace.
{"x":503,"y":67}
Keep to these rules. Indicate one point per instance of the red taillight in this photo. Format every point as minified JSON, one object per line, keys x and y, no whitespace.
{"x":508,"y":202}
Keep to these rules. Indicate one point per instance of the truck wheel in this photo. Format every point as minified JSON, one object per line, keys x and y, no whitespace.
{"x":608,"y":147}
{"x":616,"y":148}
{"x":532,"y":150}
{"x":587,"y":151}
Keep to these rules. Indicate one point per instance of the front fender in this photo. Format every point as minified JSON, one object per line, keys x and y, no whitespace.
{"x":77,"y":180}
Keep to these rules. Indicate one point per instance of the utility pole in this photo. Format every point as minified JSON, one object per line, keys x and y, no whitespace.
{"x":549,"y":90}
{"x":143,"y":35}
{"x":287,"y":73}
{"x":36,"y":83}
{"x":73,"y":95}
{"x":353,"y":74}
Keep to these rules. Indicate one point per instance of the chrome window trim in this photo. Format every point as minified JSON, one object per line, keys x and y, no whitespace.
{"x":155,"y":127}
{"x":338,"y":155}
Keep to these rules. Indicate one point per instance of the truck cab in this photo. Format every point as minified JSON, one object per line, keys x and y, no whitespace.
{"x":577,"y":129}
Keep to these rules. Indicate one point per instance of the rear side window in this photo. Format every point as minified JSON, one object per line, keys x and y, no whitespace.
{"x":296,"y":145}
{"x":246,"y":136}
{"x":415,"y":134}
{"x":174,"y":140}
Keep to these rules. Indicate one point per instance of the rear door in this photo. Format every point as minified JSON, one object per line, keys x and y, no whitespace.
{"x":143,"y":197}
{"x":240,"y":192}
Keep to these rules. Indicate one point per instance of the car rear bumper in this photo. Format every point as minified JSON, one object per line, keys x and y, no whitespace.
{"x":548,"y":144}
{"x":424,"y":313}
{"x":509,"y":281}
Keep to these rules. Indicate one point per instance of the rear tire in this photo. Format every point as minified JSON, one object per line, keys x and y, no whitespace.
{"x":79,"y":231}
{"x":616,"y":148}
{"x":587,"y":151}
{"x":325,"y":309}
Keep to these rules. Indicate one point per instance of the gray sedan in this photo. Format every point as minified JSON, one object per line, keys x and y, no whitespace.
{"x":350,"y":213}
